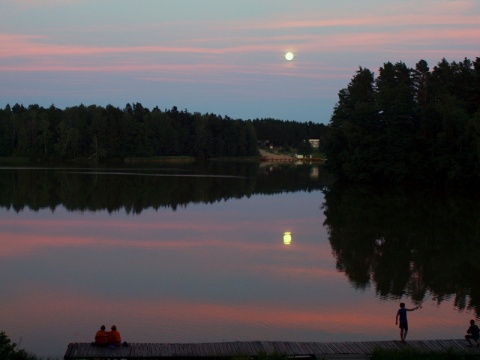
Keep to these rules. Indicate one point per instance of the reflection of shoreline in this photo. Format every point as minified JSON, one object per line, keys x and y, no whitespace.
{"x":136,"y":189}
{"x":265,"y":164}
{"x":157,"y":175}
{"x":429,"y":249}
{"x":269,"y":158}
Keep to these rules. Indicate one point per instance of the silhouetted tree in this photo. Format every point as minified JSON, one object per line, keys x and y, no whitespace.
{"x":412,"y":126}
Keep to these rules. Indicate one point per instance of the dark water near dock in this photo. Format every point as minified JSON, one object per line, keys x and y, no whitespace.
{"x":196,"y":253}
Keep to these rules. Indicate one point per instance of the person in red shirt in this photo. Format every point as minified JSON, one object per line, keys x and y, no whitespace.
{"x":101,"y":336}
{"x":114,"y":337}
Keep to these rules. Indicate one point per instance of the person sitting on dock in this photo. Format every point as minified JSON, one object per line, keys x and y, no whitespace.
{"x":101,"y":336}
{"x":114,"y":337}
{"x":473,"y":332}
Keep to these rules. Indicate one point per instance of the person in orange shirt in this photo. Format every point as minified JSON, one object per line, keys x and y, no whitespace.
{"x":114,"y":337}
{"x":101,"y":336}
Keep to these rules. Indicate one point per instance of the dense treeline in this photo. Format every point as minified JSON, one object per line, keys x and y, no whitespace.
{"x":95,"y":132}
{"x":412,"y":126}
{"x":112,"y":133}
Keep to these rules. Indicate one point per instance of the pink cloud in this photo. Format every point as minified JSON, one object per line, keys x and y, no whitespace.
{"x":27,"y":45}
{"x":437,"y":15}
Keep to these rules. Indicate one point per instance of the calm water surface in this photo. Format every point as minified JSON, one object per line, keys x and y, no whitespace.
{"x":197,"y":255}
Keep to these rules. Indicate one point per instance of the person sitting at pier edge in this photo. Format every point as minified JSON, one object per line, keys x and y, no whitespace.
{"x":473,"y":332}
{"x":101,"y":336}
{"x":114,"y":337}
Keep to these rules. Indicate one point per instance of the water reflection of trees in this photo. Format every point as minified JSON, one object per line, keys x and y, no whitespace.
{"x":407,"y":244}
{"x":160,"y":186}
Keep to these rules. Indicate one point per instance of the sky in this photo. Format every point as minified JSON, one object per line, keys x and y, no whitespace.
{"x":225,"y":57}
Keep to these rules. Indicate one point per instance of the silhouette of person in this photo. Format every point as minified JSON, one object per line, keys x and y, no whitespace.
{"x":114,"y":337}
{"x":473,"y":332}
{"x":402,"y":316}
{"x":101,"y":336}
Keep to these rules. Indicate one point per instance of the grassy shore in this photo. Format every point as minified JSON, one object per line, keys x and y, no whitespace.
{"x":409,"y":354}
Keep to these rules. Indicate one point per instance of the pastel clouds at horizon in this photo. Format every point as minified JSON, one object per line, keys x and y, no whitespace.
{"x":217,"y":56}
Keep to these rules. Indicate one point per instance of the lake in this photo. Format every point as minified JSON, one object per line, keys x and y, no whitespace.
{"x":197,"y":252}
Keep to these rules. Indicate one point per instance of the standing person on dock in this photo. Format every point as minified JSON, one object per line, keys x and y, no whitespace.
{"x":402,"y":316}
{"x":473,"y":332}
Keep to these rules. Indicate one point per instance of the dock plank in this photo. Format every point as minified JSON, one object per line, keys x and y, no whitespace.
{"x":437,"y":345}
{"x":321,"y":348}
{"x":335,"y":347}
{"x":207,"y":350}
{"x":258,"y":347}
{"x":232,"y":348}
{"x":244,"y":348}
{"x":344,"y":347}
{"x":330,"y":349}
{"x":255,"y":348}
{"x":362,"y":349}
{"x":305,"y":346}
{"x":301,"y":350}
{"x":280,"y":348}
{"x":268,"y":348}
{"x":314,"y":347}
{"x":224,"y":349}
{"x":218,"y":349}
{"x":431,"y":346}
{"x":354,"y":348}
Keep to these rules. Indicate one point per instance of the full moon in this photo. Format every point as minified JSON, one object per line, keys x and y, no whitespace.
{"x":289,"y":56}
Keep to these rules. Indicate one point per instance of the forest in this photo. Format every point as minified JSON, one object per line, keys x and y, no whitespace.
{"x":112,"y":134}
{"x":412,"y":126}
{"x":408,"y":126}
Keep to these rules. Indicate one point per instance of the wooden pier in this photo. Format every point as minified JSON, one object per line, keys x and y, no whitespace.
{"x":251,"y":349}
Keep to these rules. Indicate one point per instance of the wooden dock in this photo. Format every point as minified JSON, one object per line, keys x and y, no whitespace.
{"x":251,"y":349}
